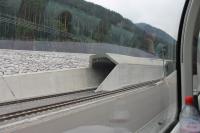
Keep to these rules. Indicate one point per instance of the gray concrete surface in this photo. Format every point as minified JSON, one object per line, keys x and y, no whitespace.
{"x":6,"y":93}
{"x":142,"y":105}
{"x":47,"y":83}
{"x":168,"y":115}
{"x":128,"y":70}
{"x":128,"y":74}
{"x":119,"y":59}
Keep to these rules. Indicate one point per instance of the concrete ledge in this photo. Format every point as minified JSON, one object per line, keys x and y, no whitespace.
{"x":120,"y":59}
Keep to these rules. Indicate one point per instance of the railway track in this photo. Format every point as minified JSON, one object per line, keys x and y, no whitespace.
{"x":14,"y":106}
{"x":88,"y":96}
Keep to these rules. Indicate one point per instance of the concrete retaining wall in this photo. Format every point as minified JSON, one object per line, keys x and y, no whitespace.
{"x":105,"y":75}
{"x":47,"y":83}
{"x":129,"y":74}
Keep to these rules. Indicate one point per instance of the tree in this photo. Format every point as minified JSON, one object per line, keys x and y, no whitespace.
{"x":102,"y":31}
{"x":65,"y":21}
{"x":33,"y":10}
{"x":3,"y":5}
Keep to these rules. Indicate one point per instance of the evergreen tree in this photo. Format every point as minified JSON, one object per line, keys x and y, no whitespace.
{"x":102,"y":31}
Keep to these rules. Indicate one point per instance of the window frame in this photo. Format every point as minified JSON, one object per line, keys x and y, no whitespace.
{"x":179,"y":59}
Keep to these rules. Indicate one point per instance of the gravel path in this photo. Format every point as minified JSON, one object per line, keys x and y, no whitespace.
{"x":21,"y":61}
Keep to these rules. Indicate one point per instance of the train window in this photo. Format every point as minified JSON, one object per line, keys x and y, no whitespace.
{"x":121,"y":55}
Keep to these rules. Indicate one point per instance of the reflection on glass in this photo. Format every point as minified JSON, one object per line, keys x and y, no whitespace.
{"x":44,"y":35}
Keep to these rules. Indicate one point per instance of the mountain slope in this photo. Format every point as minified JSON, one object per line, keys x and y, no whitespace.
{"x":118,"y":20}
{"x":161,"y":35}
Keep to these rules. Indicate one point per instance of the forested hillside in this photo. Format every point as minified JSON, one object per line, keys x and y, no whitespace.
{"x":76,"y":20}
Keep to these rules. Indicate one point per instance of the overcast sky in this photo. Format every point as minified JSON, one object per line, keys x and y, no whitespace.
{"x":163,"y":14}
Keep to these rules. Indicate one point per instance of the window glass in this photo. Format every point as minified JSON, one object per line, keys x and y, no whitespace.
{"x":50,"y":47}
{"x":196,"y":64}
